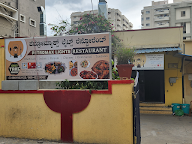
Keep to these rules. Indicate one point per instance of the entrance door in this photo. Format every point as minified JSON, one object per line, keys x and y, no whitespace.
{"x":151,"y":85}
{"x":154,"y":86}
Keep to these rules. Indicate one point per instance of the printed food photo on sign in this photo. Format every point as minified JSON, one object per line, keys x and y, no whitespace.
{"x":55,"y":67}
{"x":85,"y":64}
{"x":101,"y":68}
{"x":73,"y":68}
{"x":88,"y":75}
{"x":32,"y":65}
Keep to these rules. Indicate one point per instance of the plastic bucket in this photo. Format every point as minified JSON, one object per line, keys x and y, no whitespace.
{"x":185,"y":108}
{"x":175,"y":106}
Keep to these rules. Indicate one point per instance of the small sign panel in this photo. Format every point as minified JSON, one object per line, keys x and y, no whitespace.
{"x":149,"y":62}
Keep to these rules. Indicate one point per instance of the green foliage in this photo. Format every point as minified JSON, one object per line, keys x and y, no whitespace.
{"x":59,"y":29}
{"x":115,"y":74}
{"x":125,"y":55}
{"x":92,"y":85}
{"x":89,"y":23}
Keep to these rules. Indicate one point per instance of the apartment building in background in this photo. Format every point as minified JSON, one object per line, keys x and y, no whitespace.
{"x":163,"y":14}
{"x":22,"y":18}
{"x":119,"y":21}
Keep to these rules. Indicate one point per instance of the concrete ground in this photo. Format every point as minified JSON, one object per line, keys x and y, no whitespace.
{"x":25,"y":141}
{"x":155,"y":129}
{"x":166,"y":129}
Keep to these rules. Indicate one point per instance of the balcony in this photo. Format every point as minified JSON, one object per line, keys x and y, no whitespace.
{"x":164,"y":18}
{"x":131,"y":25}
{"x":125,"y":26}
{"x":125,"y":23}
{"x":159,"y":12}
{"x":118,"y":23}
{"x":8,"y":12}
{"x":162,"y":24}
{"x":142,"y":22}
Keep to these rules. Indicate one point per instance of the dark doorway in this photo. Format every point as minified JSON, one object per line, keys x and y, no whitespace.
{"x":151,"y":85}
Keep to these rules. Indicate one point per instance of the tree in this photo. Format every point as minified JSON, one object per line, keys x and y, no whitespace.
{"x":59,"y":29}
{"x":89,"y":23}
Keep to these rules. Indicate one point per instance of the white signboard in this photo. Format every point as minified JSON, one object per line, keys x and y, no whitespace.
{"x":78,"y":57}
{"x":149,"y":62}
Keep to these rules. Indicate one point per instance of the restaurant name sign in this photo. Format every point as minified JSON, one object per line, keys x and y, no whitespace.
{"x":77,"y":57}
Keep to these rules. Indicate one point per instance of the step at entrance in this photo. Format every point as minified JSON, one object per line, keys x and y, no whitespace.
{"x":155,"y":108}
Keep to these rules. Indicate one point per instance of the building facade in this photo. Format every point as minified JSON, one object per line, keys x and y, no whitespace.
{"x":22,"y":18}
{"x":158,"y":61}
{"x":119,"y":21}
{"x":162,"y":14}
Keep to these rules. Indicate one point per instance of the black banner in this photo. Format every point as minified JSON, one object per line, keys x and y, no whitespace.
{"x":90,"y":50}
{"x":37,"y":77}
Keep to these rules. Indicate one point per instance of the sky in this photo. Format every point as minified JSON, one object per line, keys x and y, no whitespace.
{"x":57,"y":10}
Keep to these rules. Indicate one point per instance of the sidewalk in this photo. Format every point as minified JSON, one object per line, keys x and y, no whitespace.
{"x":25,"y":141}
{"x":166,"y":129}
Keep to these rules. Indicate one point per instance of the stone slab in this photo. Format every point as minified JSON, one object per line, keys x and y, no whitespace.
{"x":29,"y":85}
{"x":48,"y":85}
{"x":10,"y":85}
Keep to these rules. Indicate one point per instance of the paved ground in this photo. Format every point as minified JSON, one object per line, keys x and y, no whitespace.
{"x":155,"y":129}
{"x":24,"y":141}
{"x":166,"y":129}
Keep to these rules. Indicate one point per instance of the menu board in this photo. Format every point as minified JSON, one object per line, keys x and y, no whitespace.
{"x":73,"y":57}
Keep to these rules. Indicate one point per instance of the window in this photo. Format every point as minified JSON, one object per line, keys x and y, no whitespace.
{"x":141,"y":19}
{"x":147,"y":18}
{"x":184,"y":26}
{"x":75,"y":22}
{"x":182,"y":13}
{"x":22,"y":18}
{"x":118,"y":15}
{"x":147,"y":12}
{"x":147,"y":24}
{"x":32,"y":22}
{"x":109,"y":13}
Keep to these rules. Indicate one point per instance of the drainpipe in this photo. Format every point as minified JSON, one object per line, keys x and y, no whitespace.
{"x":183,"y":74}
{"x":183,"y":60}
{"x":18,"y":22}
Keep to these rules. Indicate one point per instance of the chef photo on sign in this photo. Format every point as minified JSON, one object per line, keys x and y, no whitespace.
{"x":15,"y":50}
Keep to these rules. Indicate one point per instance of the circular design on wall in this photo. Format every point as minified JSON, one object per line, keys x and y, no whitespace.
{"x":15,"y":50}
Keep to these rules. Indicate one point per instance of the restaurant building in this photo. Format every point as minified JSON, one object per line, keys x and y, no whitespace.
{"x":159,"y":62}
